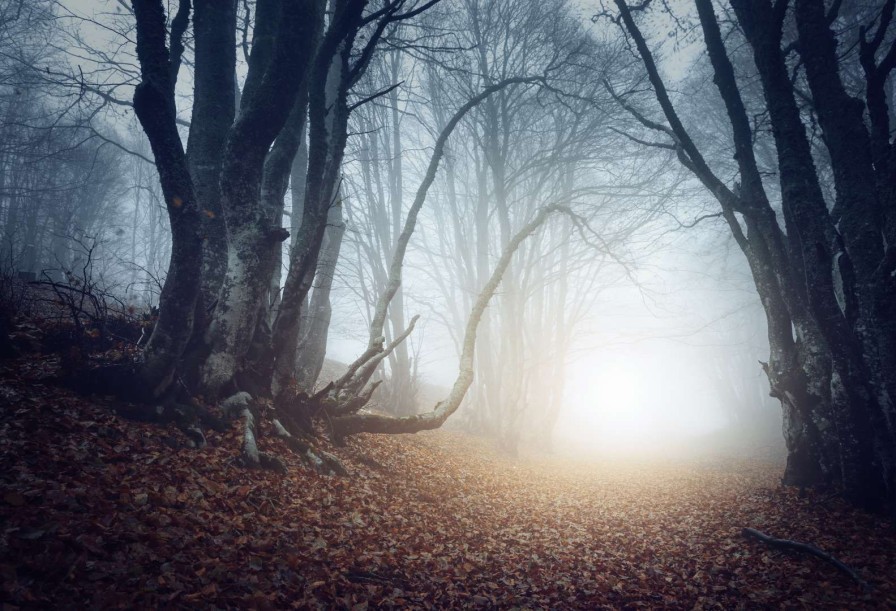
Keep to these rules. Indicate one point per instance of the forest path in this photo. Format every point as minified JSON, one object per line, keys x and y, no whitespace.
{"x":101,"y":512}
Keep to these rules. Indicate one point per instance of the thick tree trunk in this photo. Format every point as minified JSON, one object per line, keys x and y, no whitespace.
{"x":275,"y":181}
{"x":155,"y":108}
{"x":781,"y":297}
{"x":860,"y":213}
{"x":214,"y":40}
{"x":276,"y":72}
{"x":815,"y":244}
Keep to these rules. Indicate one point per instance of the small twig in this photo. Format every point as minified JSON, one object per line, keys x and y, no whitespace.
{"x":360,"y":576}
{"x":807,"y":549}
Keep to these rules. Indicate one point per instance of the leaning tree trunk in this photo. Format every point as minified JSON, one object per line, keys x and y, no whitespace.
{"x":376,"y":339}
{"x":332,"y":78}
{"x":792,"y":363}
{"x":376,"y":423}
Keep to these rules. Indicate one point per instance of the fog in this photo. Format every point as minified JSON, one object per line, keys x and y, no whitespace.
{"x":646,"y":370}
{"x":636,"y":332}
{"x":561,"y":304}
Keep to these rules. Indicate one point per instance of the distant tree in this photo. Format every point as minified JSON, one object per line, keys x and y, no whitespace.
{"x":519,"y":150}
{"x":58,"y":183}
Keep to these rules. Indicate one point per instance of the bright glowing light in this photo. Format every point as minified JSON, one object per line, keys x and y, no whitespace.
{"x":616,"y":386}
{"x":636,"y":401}
{"x":611,"y":396}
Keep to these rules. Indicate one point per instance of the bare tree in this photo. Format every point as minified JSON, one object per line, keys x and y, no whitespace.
{"x":824,"y":367}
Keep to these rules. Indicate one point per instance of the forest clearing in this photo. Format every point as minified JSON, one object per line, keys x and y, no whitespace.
{"x":100,"y":512}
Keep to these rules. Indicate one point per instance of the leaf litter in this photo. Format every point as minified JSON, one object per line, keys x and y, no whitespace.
{"x":102,"y":512}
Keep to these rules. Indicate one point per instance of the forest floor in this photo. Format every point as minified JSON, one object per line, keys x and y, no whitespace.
{"x":100,"y":512}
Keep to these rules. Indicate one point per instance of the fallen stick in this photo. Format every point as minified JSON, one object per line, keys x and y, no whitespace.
{"x":805,"y":548}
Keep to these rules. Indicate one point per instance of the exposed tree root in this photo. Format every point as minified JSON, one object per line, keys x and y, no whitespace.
{"x":322,"y":462}
{"x":190,"y":418}
{"x":252,"y":456}
{"x":195,"y":435}
{"x":241,"y":405}
{"x":751,"y":533}
{"x":233,"y":406}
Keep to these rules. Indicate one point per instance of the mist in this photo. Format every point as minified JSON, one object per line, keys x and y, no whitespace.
{"x":437,"y":286}
{"x":651,"y":310}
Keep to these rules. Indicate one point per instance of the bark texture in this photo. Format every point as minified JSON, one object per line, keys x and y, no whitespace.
{"x":282,"y":51}
{"x":214,"y":108}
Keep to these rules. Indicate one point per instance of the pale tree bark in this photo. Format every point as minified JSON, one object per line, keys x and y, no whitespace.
{"x":374,"y":423}
{"x":277,"y":69}
{"x":376,"y":338}
{"x":401,"y":382}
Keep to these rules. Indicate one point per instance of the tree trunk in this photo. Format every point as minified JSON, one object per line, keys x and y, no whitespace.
{"x":155,"y":108}
{"x":375,"y":423}
{"x":214,"y":39}
{"x":328,"y":124}
{"x":815,"y":244}
{"x":276,"y":72}
{"x":313,"y":347}
{"x":860,"y":213}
